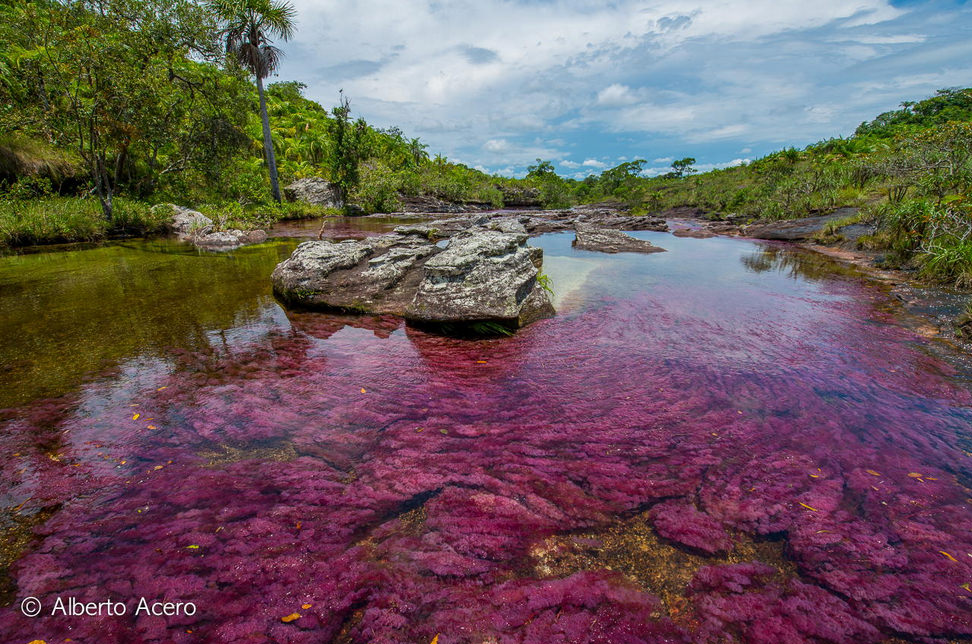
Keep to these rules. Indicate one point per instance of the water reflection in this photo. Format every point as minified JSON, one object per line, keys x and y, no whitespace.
{"x":794,"y":263}
{"x":70,"y":313}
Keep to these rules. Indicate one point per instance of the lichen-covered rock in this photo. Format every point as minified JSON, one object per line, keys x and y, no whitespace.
{"x":483,"y":275}
{"x":228,"y":239}
{"x":606,"y":240}
{"x":508,"y":225}
{"x":315,"y":191}
{"x":375,"y":275}
{"x":187,"y":222}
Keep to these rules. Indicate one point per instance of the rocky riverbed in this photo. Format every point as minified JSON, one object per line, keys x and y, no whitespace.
{"x":454,"y":273}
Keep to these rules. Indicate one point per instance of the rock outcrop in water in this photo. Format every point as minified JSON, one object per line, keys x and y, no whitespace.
{"x":197,"y":228}
{"x":482,"y":276}
{"x":607,"y":240}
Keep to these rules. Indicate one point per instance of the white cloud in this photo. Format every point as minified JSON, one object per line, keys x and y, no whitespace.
{"x":593,"y":163}
{"x":484,"y":79}
{"x":616,"y":95}
{"x":496,"y":145}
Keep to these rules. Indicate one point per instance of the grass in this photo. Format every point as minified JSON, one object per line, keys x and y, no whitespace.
{"x":232,"y":215}
{"x":52,"y":220}
{"x":29,"y":157}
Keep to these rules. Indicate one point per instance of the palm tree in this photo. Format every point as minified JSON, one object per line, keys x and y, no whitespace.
{"x":249,"y":26}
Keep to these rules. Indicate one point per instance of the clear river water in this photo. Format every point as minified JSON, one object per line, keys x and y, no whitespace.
{"x":727,"y":442}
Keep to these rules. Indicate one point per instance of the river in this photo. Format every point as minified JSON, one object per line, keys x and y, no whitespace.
{"x":731,"y":440}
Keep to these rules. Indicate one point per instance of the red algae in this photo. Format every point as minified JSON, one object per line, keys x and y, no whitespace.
{"x":398,"y":483}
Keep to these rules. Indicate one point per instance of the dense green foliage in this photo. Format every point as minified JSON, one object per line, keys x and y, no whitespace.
{"x":139,"y":99}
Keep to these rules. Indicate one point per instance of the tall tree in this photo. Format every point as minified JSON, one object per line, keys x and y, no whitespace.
{"x":250,"y":26}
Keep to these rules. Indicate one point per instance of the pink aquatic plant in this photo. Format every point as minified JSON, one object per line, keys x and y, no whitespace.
{"x":387,"y":485}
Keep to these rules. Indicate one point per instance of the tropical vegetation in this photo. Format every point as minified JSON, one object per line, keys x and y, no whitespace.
{"x":110,"y":106}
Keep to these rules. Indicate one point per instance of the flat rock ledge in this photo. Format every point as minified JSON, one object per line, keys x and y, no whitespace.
{"x":607,"y":240}
{"x":196,"y":228}
{"x":480,"y":279}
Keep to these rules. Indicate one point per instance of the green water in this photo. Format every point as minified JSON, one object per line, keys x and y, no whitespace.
{"x":68,"y":313}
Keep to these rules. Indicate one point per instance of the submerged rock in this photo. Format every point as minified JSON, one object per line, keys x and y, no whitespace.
{"x":482,"y":276}
{"x":607,"y":240}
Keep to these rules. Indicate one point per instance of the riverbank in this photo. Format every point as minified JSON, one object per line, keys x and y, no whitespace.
{"x":61,"y":220}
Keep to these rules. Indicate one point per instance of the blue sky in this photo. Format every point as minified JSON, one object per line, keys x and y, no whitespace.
{"x":587,"y":85}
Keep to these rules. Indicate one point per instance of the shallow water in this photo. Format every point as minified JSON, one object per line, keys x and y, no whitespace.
{"x":727,"y":441}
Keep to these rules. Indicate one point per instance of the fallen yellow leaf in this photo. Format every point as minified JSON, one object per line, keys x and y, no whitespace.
{"x":363,"y":390}
{"x":811,"y":508}
{"x":873,"y":473}
{"x":135,"y":417}
{"x":161,"y":388}
{"x":948,"y":556}
{"x":290,"y":618}
{"x":305,"y":606}
{"x":914,"y":475}
{"x":193,"y":547}
{"x":480,"y":362}
{"x":435,"y":640}
{"x":967,"y":587}
{"x":157,"y":467}
{"x":152,"y":427}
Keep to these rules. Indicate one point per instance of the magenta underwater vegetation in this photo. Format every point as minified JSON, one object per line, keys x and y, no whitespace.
{"x":318,"y":478}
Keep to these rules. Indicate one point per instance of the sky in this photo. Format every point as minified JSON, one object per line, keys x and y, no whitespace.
{"x":496,"y":84}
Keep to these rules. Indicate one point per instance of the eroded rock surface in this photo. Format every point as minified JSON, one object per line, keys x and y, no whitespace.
{"x":606,"y":240}
{"x":482,"y":275}
{"x":187,"y":222}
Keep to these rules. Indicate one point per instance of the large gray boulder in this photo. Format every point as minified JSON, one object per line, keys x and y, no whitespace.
{"x":481,"y":276}
{"x":315,"y":191}
{"x":606,"y":240}
{"x":187,"y":222}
